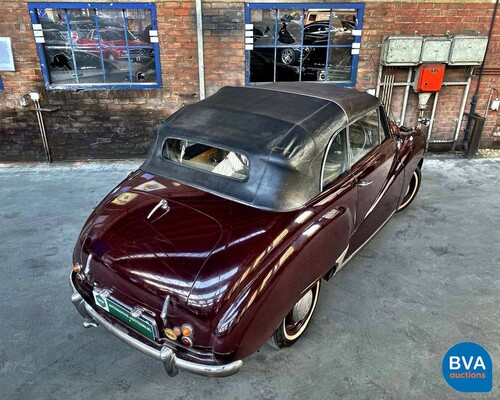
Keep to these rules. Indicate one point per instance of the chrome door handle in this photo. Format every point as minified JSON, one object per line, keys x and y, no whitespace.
{"x":363,"y":183}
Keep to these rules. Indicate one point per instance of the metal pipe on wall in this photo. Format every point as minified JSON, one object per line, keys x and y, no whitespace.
{"x":43,"y":133}
{"x":201,"y":62}
{"x":405,"y":98}
{"x":379,"y":80}
{"x":433,"y":115}
{"x":461,"y":113}
{"x":473,"y":103}
{"x":391,"y":89}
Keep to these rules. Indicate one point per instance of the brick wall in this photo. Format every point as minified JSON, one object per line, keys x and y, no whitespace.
{"x":94,"y":123}
{"x":430,"y":18}
{"x":119,"y":123}
{"x":223,"y":33}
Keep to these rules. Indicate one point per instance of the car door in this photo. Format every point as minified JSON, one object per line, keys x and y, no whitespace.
{"x":335,"y":207}
{"x":373,"y":159}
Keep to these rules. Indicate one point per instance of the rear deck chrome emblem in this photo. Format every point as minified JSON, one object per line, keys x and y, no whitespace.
{"x":163,"y":204}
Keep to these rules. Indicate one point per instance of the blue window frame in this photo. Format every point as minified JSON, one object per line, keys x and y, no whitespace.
{"x":97,"y":45}
{"x":302,"y":42}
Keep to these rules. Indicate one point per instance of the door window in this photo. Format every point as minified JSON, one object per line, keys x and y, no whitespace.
{"x":364,"y":135}
{"x":336,"y":162}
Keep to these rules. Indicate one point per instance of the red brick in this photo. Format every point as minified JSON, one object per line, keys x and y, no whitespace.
{"x":182,"y":11}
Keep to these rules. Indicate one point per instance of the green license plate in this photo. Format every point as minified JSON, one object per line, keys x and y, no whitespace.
{"x":141,"y":325}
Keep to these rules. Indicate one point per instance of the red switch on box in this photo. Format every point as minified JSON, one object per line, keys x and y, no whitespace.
{"x":429,"y":78}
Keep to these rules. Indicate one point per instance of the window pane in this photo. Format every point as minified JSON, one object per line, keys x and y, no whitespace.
{"x":290,"y":27}
{"x":364,"y":135}
{"x":207,"y":158}
{"x":336,"y":159}
{"x":262,"y":65}
{"x":66,"y":66}
{"x":280,"y":48}
{"x":98,"y":46}
{"x":263,"y":27}
{"x":339,"y":64}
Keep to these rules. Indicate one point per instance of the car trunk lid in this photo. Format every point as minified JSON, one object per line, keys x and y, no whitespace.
{"x":150,"y":243}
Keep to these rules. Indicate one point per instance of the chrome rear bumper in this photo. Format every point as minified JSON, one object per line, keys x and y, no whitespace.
{"x":166,"y":355}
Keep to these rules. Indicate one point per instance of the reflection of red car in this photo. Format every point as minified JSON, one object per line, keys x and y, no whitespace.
{"x":113,"y":45}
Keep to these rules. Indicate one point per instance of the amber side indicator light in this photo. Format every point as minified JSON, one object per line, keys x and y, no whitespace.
{"x":187,"y":330}
{"x":77,"y":268}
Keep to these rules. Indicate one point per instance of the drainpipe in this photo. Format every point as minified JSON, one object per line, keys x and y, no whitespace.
{"x":201,"y":63}
{"x":475,"y":96}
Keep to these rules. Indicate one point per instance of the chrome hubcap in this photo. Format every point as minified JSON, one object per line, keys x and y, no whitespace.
{"x":287,"y":56}
{"x":302,"y":307}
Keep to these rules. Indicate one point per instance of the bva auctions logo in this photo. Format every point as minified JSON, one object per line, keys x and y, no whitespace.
{"x":467,"y":367}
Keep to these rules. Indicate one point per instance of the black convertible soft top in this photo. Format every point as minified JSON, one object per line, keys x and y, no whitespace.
{"x":282,"y":128}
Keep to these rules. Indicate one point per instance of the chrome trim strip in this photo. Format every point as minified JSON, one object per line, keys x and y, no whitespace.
{"x":364,"y":244}
{"x":164,"y":309}
{"x":340,"y":260}
{"x":87,"y":265}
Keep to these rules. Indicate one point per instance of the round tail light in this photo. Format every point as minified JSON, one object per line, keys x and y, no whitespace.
{"x":187,"y":330}
{"x":177,"y":331}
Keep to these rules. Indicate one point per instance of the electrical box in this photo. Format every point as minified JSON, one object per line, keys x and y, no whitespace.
{"x":401,"y":50}
{"x":468,"y":50}
{"x":436,"y":49}
{"x":429,"y":78}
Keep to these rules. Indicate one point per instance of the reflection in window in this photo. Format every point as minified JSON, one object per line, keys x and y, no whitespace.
{"x":364,"y":135}
{"x":302,"y":44}
{"x":336,"y":162}
{"x":91,"y":44}
{"x":207,"y":158}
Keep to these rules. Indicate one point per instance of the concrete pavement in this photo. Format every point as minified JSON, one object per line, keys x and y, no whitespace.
{"x":428,"y":280}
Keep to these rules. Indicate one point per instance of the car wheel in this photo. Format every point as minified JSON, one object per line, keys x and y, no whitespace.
{"x":296,"y":321}
{"x":412,"y":190}
{"x":288,"y":56}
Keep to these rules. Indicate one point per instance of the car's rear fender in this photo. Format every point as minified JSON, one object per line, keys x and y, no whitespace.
{"x":258,"y":310}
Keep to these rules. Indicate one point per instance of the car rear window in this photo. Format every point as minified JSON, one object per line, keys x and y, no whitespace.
{"x":207,"y":158}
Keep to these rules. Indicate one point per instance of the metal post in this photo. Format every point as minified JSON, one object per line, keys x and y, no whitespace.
{"x":201,"y":62}
{"x":461,"y":113}
{"x":405,"y":98}
{"x":379,"y":80}
{"x":384,"y":93}
{"x":43,"y":133}
{"x":433,"y":115}
{"x":391,"y":89}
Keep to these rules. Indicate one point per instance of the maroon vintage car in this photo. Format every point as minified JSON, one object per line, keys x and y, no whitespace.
{"x":247,"y":201}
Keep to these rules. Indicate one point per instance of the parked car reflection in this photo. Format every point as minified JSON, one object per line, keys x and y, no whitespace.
{"x":89,"y":68}
{"x":113,"y":45}
{"x":309,"y":46}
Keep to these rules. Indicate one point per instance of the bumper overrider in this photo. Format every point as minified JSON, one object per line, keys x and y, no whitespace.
{"x":166,"y":355}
